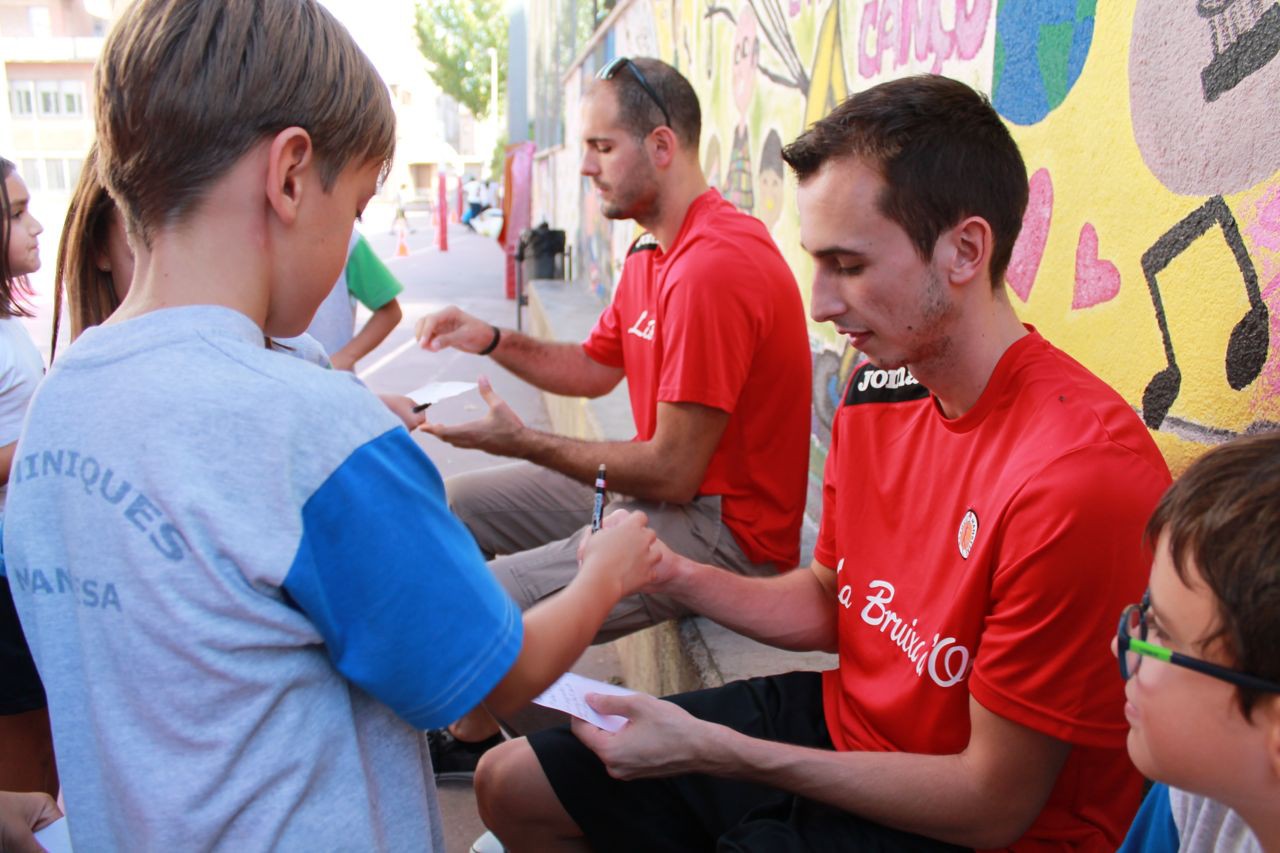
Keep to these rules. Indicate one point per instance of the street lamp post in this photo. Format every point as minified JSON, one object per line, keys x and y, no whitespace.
{"x":493,"y":98}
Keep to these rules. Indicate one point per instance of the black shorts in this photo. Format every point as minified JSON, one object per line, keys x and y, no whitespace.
{"x":20,"y":687}
{"x":699,"y":812}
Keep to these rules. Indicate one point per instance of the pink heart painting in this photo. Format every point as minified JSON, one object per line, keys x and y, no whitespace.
{"x":1097,"y":280}
{"x":1028,"y":251}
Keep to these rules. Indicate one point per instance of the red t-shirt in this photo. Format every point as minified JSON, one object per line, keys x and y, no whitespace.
{"x":990,"y":556}
{"x":717,"y":320}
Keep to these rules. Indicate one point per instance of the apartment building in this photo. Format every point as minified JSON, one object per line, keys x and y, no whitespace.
{"x":48,"y":49}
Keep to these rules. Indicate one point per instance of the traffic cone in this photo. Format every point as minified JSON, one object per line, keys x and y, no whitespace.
{"x":402,"y":242}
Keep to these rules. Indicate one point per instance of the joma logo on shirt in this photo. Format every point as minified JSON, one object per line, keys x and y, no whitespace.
{"x":946,"y":661}
{"x":642,"y":329}
{"x":886,"y":379}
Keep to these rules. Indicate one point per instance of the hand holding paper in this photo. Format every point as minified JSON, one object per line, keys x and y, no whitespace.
{"x":500,"y":432}
{"x":659,"y":739}
{"x":569,"y":694}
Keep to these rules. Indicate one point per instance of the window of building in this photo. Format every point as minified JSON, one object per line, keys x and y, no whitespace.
{"x":56,"y":171}
{"x":22,"y":98}
{"x":31,"y":174}
{"x":58,"y":174}
{"x":47,"y":98}
{"x":72,"y":92}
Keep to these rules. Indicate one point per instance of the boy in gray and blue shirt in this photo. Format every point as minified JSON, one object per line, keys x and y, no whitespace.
{"x":230,"y":564}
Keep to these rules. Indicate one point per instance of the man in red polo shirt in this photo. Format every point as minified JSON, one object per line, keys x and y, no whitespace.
{"x":982,"y":529}
{"x":707,"y":327}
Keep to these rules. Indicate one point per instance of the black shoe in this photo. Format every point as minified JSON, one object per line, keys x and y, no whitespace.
{"x":455,"y":759}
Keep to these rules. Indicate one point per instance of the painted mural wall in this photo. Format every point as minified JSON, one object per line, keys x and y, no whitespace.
{"x":1151,"y":246}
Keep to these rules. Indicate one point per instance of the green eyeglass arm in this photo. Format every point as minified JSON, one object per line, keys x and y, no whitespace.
{"x":1151,"y":650}
{"x":1240,"y":679}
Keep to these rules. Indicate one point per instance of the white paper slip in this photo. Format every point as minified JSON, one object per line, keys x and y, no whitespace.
{"x":55,"y":837}
{"x":434,"y":392}
{"x":569,"y":694}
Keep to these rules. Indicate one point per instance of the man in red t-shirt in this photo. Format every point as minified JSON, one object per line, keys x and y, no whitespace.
{"x":983,"y":509}
{"x":706,"y":325}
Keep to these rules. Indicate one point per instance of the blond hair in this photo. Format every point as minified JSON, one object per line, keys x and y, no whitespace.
{"x":186,"y":87}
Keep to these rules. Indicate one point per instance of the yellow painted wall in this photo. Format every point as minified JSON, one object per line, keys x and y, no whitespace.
{"x":1148,"y":131}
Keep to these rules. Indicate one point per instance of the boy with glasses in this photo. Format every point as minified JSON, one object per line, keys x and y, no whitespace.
{"x":1204,"y":712}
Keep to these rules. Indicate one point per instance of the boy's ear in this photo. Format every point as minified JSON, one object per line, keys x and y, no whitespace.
{"x":1269,"y":710}
{"x":289,"y":158}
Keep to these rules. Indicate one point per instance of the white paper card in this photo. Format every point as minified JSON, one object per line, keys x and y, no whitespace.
{"x":55,"y":837}
{"x":569,"y":694}
{"x":434,"y":392}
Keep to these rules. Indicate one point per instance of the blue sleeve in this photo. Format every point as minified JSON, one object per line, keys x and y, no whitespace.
{"x":398,"y":589}
{"x":1153,"y":830}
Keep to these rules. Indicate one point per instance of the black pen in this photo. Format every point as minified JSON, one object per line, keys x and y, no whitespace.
{"x":597,"y":509}
{"x":422,"y":407}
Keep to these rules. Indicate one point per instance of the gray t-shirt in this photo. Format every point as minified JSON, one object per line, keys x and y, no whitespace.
{"x":230,"y":565}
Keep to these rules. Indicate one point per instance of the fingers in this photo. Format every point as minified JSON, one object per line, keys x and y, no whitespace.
{"x":487,"y":393}
{"x":618,"y":706}
{"x":440,"y":330}
{"x":455,"y":435}
{"x":44,"y":811}
{"x":20,"y":815}
{"x":592,"y":737}
{"x":424,"y":329}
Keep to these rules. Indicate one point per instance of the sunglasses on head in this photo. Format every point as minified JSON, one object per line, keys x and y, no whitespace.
{"x":611,"y":69}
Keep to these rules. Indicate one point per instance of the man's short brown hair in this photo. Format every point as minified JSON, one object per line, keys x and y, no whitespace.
{"x":186,"y":87}
{"x":1223,"y":517}
{"x":943,"y":152}
{"x":640,"y":115}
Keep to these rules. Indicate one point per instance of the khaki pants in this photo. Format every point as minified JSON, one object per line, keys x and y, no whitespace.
{"x":528,"y":520}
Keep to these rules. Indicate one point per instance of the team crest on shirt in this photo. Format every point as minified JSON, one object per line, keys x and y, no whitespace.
{"x":968,"y":533}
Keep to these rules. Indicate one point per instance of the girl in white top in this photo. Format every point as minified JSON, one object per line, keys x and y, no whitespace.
{"x":26,"y":747}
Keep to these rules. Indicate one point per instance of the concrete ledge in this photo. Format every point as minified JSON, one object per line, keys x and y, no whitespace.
{"x":690,"y":653}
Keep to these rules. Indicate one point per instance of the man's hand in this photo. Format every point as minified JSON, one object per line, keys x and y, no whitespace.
{"x":499,"y":432}
{"x":624,"y":548}
{"x":20,"y":816}
{"x":402,"y":407}
{"x":659,"y":739}
{"x":671,"y":566}
{"x":453,"y":327}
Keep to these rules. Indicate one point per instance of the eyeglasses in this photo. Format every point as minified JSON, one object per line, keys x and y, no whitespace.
{"x":611,"y":69}
{"x":1132,"y":647}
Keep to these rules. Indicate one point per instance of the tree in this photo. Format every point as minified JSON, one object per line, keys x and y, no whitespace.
{"x":455,"y":37}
